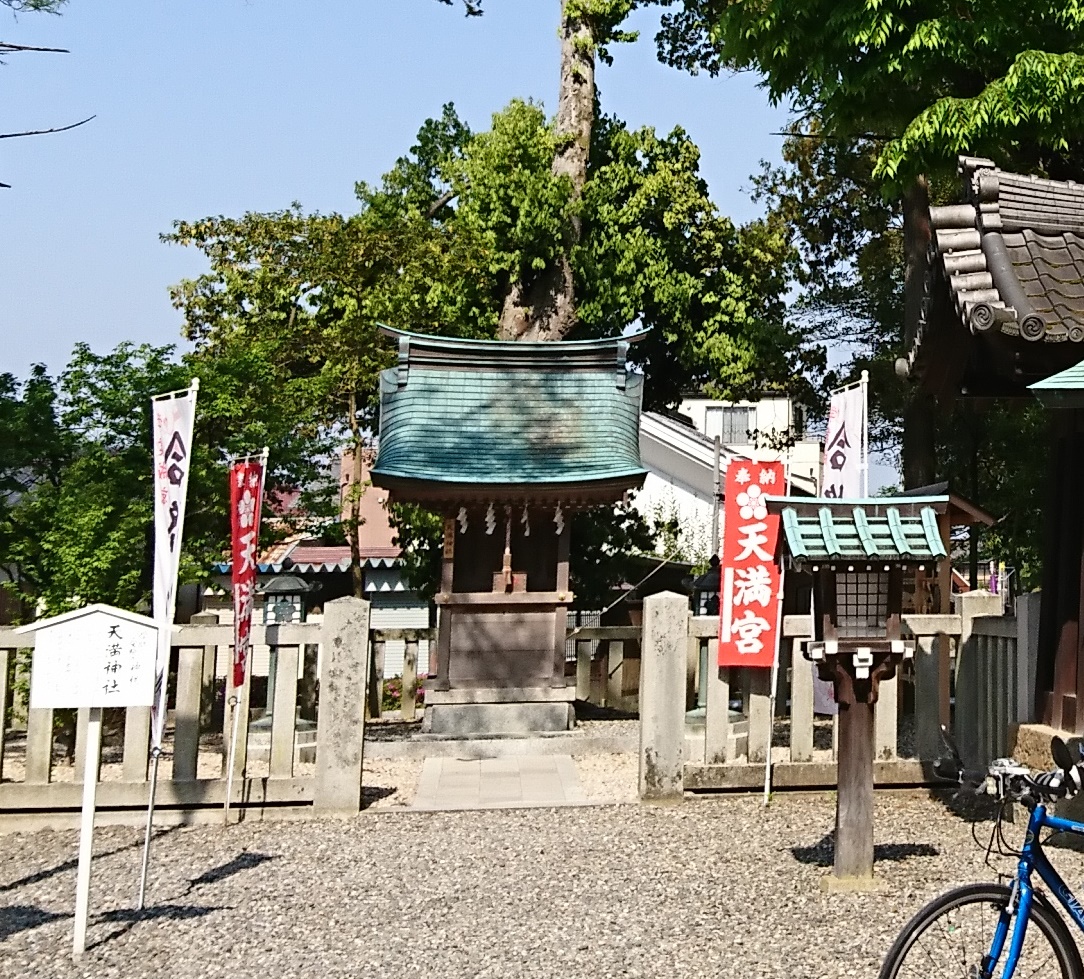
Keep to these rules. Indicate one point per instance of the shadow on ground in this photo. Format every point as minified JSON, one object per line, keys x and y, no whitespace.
{"x":38,"y":876}
{"x":130,"y":917}
{"x":823,"y":852}
{"x":245,"y":860}
{"x":586,"y":711}
{"x":23,"y":917}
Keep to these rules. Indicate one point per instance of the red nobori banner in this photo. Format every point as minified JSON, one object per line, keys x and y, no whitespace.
{"x":750,"y":596}
{"x":246,"y":501}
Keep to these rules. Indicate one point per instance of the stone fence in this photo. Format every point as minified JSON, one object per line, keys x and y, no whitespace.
{"x":284,"y":759}
{"x":973,"y":671}
{"x":702,"y":727}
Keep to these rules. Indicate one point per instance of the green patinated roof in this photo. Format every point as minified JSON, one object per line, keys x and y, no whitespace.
{"x":898,"y":529}
{"x":491,"y":412}
{"x":1063,"y":390}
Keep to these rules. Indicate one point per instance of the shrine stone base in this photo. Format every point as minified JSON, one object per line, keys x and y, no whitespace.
{"x":466,"y":720}
{"x":850,"y":885}
{"x":1029,"y":744}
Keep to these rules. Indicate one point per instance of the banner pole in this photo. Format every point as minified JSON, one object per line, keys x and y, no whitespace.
{"x":235,"y":706}
{"x":156,"y":754}
{"x":164,"y":603}
{"x":778,"y":646}
{"x":865,"y":434}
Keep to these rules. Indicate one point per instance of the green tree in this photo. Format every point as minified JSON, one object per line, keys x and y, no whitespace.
{"x":540,"y":300}
{"x":920,"y":85}
{"x":304,"y":294}
{"x":75,"y":491}
{"x":450,"y":229}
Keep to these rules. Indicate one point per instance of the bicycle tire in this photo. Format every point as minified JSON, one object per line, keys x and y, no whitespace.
{"x":909,"y":957}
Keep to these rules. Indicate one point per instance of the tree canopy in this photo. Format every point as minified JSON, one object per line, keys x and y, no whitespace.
{"x":998,"y":78}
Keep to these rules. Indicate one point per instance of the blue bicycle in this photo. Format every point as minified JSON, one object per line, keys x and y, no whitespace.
{"x":1010,"y":929}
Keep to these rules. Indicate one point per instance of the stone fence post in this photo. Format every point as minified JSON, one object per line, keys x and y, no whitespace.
{"x":662,"y":697}
{"x":1027,"y":654}
{"x":970,"y":677}
{"x":340,"y":726}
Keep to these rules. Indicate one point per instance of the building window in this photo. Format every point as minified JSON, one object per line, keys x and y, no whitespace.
{"x":732,"y":424}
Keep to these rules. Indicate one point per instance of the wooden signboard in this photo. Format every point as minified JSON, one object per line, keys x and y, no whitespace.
{"x":94,"y":657}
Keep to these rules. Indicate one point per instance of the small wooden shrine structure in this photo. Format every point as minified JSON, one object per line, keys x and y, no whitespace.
{"x":857,"y":552}
{"x":506,"y":440}
{"x":1003,"y":310}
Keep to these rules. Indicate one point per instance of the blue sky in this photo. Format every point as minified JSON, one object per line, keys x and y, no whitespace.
{"x":225,"y":106}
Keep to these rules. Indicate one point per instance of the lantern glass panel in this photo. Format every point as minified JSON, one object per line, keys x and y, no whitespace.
{"x":861,"y":603}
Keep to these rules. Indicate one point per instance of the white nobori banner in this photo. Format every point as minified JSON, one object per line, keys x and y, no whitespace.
{"x":174,"y":415}
{"x":845,"y":444}
{"x":846,"y":477}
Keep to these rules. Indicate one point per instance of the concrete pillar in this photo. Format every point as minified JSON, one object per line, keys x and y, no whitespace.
{"x":928,"y":677}
{"x":1027,"y":654}
{"x":885,"y":720}
{"x":717,"y":717}
{"x":7,"y":656}
{"x":137,"y":737}
{"x":408,"y":707}
{"x":663,"y":672}
{"x":186,"y":724}
{"x":615,"y":672}
{"x":284,"y":712}
{"x":583,"y":670}
{"x":39,"y":745}
{"x":207,"y":681}
{"x":801,"y":704}
{"x":340,"y":731}
{"x":970,"y":682}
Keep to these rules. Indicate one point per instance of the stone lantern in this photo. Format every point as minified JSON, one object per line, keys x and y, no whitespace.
{"x":284,"y":599}
{"x":857,"y":551}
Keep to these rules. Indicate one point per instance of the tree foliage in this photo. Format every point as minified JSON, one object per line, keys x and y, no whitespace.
{"x":75,"y":487}
{"x":438,"y":243}
{"x":999,"y":78}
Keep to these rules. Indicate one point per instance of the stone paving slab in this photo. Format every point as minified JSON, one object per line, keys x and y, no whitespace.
{"x":499,"y":783}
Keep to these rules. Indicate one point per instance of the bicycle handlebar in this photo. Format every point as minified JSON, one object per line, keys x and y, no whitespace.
{"x":1007,"y":779}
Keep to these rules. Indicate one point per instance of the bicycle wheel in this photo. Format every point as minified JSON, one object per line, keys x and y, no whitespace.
{"x":950,"y":936}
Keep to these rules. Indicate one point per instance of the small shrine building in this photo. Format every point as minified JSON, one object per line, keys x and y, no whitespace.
{"x":506,"y":440}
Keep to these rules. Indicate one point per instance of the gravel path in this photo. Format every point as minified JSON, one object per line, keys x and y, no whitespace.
{"x":716,"y":887}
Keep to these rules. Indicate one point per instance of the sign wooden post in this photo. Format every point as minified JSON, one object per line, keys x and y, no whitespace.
{"x":86,"y":830}
{"x":94,"y":657}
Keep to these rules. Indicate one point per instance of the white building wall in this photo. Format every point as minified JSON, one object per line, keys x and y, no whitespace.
{"x":663,"y":496}
{"x":402,"y":610}
{"x":769,"y":417}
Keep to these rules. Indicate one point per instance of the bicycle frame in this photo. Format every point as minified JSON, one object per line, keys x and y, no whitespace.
{"x":1032,"y":858}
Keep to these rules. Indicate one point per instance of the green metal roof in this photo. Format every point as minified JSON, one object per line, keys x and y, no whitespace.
{"x":1063,"y":390}
{"x":898,"y":529}
{"x":497,"y":412}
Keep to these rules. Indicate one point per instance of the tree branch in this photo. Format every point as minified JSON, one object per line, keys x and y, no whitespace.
{"x":43,"y":132}
{"x":6,"y":47}
{"x":473,"y":7}
{"x":446,"y":198}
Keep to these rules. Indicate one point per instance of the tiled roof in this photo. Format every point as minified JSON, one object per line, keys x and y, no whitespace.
{"x":489,"y":413}
{"x":1014,"y":253}
{"x":874,"y":530}
{"x":1004,"y":300}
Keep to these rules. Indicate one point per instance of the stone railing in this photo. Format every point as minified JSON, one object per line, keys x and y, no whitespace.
{"x":992,"y":657}
{"x":284,"y":758}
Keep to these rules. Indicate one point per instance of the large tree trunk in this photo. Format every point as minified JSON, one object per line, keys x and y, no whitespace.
{"x":545,"y":309}
{"x":919,"y":445}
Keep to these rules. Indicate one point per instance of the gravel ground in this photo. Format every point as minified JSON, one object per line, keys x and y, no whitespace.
{"x":716,"y":887}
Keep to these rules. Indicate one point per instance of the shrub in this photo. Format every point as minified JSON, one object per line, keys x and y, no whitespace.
{"x":393,"y":692}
